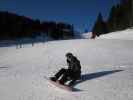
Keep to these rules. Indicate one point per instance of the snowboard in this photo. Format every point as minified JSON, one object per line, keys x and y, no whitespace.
{"x":60,"y":86}
{"x":63,"y":87}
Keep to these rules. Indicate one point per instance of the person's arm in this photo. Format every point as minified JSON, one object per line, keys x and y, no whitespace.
{"x":76,"y":66}
{"x":68,"y":64}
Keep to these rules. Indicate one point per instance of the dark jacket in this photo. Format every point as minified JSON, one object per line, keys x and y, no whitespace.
{"x":74,"y":67}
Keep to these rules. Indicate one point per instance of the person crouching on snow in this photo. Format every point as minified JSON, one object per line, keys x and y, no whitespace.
{"x":71,"y":74}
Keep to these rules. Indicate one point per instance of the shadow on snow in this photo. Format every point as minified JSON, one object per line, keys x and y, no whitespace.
{"x":90,"y":76}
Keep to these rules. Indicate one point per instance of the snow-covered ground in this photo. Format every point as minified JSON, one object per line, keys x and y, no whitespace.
{"x":123,"y":35}
{"x":87,"y":35}
{"x":107,"y":69}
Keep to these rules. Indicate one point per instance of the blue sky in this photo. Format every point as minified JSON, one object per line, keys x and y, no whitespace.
{"x":80,"y":13}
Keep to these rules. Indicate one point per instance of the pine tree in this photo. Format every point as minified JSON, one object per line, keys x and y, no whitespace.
{"x":99,"y":26}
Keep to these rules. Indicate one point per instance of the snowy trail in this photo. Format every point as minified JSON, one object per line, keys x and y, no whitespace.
{"x":107,"y":70}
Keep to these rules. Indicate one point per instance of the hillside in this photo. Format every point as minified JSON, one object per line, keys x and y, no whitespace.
{"x":107,"y":69}
{"x":123,"y":35}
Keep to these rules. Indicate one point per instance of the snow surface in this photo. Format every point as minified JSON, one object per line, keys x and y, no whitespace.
{"x":86,"y":35}
{"x":107,"y":69}
{"x":123,"y":35}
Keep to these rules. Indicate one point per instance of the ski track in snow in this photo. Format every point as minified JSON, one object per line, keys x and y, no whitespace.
{"x":107,"y":70}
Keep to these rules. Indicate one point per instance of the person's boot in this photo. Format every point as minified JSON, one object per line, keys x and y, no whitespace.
{"x":53,"y":79}
{"x":61,"y":82}
{"x":72,"y":83}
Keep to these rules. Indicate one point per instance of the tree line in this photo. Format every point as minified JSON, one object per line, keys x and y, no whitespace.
{"x":13,"y":26}
{"x":120,"y":17}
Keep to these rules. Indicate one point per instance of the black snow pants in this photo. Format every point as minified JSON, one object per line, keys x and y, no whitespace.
{"x":66,"y":75}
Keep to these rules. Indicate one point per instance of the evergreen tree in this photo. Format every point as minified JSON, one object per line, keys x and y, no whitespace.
{"x":99,"y":26}
{"x":13,"y":26}
{"x":121,"y":16}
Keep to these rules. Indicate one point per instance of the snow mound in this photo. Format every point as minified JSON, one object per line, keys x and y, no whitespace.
{"x":86,"y":35}
{"x":123,"y":35}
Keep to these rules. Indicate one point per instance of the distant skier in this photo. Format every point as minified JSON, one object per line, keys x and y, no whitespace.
{"x":71,"y":74}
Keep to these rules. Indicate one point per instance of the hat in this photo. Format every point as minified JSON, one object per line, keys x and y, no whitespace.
{"x":69,"y":54}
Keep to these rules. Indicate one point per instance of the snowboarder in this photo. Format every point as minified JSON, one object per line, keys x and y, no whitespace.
{"x":71,"y":74}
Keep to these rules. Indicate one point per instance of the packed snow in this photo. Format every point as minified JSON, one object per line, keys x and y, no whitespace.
{"x":123,"y":35}
{"x":107,"y":69}
{"x":87,"y":35}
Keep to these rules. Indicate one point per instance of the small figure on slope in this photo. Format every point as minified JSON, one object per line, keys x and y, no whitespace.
{"x":71,"y":74}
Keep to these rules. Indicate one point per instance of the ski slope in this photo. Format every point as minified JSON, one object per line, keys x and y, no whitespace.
{"x":86,"y":35}
{"x":123,"y":35}
{"x":107,"y":69}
